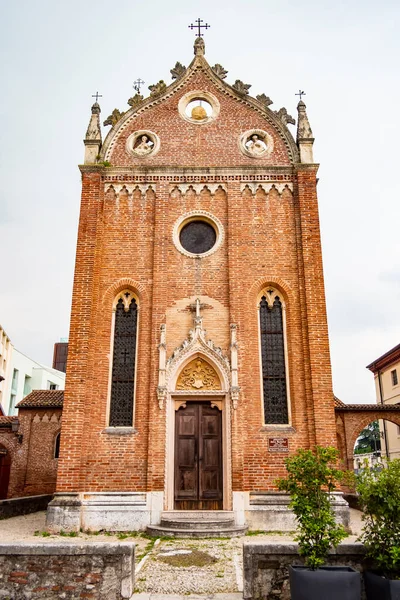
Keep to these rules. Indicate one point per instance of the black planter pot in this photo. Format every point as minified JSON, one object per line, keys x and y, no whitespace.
{"x":327,"y":583}
{"x":380,"y":588}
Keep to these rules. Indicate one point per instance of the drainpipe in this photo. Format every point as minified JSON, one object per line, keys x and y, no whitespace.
{"x":384,"y":422}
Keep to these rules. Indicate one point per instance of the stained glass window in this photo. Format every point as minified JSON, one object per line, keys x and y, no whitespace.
{"x":123,"y":369}
{"x":273,"y":362}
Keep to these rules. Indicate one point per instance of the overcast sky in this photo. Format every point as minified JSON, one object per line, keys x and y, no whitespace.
{"x":344,"y":54}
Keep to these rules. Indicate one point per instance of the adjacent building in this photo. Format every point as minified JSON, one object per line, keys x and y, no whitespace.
{"x":22,"y":375}
{"x":60,"y":355}
{"x":386,"y":370}
{"x":5,"y":366}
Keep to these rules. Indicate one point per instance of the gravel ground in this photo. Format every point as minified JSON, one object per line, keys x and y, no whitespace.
{"x":187,"y":566}
{"x":167,"y":572}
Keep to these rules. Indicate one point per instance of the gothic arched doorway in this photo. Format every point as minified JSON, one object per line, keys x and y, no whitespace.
{"x":5,"y":467}
{"x":198,"y":437}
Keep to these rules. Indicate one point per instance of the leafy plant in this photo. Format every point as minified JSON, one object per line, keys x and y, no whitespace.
{"x":312,"y":476}
{"x":379,"y":492}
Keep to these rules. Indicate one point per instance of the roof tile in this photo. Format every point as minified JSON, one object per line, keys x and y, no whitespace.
{"x":43,"y":399}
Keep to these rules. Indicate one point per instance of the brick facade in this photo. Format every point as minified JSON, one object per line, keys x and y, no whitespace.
{"x":29,"y":440}
{"x":125,"y":241}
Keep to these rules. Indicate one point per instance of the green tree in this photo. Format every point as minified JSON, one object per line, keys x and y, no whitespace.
{"x":379,"y":493}
{"x":312,"y":476}
{"x":369,"y":439}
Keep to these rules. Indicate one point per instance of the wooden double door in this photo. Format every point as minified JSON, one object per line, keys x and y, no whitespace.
{"x":198,"y":457}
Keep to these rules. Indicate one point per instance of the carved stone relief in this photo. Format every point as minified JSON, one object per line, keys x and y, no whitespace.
{"x":256,"y":143}
{"x":143,"y":143}
{"x":198,"y":375}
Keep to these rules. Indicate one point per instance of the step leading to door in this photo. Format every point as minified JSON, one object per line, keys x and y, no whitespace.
{"x":197,"y":523}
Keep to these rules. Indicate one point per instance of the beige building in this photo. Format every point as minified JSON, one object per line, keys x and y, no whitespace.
{"x":386,"y":370}
{"x":5,"y":364}
{"x":19,"y":375}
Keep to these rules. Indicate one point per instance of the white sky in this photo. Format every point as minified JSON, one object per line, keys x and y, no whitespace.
{"x":344,"y":54}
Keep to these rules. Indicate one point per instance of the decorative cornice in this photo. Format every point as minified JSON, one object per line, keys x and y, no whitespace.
{"x":198,"y":187}
{"x":129,"y":187}
{"x":267,"y":187}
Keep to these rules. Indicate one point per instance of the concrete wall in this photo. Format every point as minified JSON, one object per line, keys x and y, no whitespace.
{"x":265,"y":567}
{"x":67,"y":570}
{"x":14,"y":507}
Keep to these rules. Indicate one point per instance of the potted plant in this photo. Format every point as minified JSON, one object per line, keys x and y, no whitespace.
{"x":312,"y":477}
{"x":379,"y":492}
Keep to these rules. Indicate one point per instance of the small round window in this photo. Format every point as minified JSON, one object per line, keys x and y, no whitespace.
{"x":197,"y":237}
{"x":198,"y":234}
{"x":198,"y":107}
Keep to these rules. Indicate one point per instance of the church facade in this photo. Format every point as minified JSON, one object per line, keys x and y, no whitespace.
{"x":198,"y":350}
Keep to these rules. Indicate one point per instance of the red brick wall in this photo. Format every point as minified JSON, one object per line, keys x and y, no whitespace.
{"x":126,"y":242}
{"x":33,"y":465}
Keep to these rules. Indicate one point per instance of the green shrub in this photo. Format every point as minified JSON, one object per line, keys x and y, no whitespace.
{"x":379,"y":493}
{"x":312,"y":476}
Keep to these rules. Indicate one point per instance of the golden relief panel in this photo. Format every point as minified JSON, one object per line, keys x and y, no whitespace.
{"x":198,"y":375}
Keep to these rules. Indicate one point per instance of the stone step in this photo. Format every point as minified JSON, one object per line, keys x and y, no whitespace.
{"x":196,"y":523}
{"x":198,"y":515}
{"x":222,"y":531}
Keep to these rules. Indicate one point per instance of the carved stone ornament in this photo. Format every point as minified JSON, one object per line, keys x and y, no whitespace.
{"x":256,"y":143}
{"x":114,"y":117}
{"x":178,"y":71}
{"x":220,"y":71}
{"x":266,"y":100}
{"x":242,"y":88}
{"x":158,"y":88}
{"x":135,"y":100}
{"x":198,"y":375}
{"x":143,"y":143}
{"x":284,"y":116}
{"x":199,"y":47}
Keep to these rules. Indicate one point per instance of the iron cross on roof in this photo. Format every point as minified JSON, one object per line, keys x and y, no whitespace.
{"x":300,"y":93}
{"x":97,"y":96}
{"x":199,"y":26}
{"x":138,"y":84}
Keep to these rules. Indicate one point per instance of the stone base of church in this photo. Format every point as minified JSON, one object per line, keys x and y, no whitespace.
{"x":107,"y":511}
{"x":269,"y":511}
{"x":134,"y":511}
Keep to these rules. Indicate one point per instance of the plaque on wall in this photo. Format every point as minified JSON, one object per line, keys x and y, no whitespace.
{"x":278,"y":444}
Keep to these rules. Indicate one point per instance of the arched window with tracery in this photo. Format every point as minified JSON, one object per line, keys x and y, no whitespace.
{"x":272,"y":334}
{"x":124,"y":360}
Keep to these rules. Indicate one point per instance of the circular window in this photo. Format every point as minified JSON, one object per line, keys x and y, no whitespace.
{"x":198,"y":234}
{"x":143,"y":143}
{"x":198,"y":107}
{"x":256,"y":143}
{"x":197,"y":237}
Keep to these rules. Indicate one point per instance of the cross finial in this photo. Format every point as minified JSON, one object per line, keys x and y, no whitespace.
{"x":138,"y":84}
{"x":97,"y":96}
{"x":198,"y":25}
{"x":300,"y":94}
